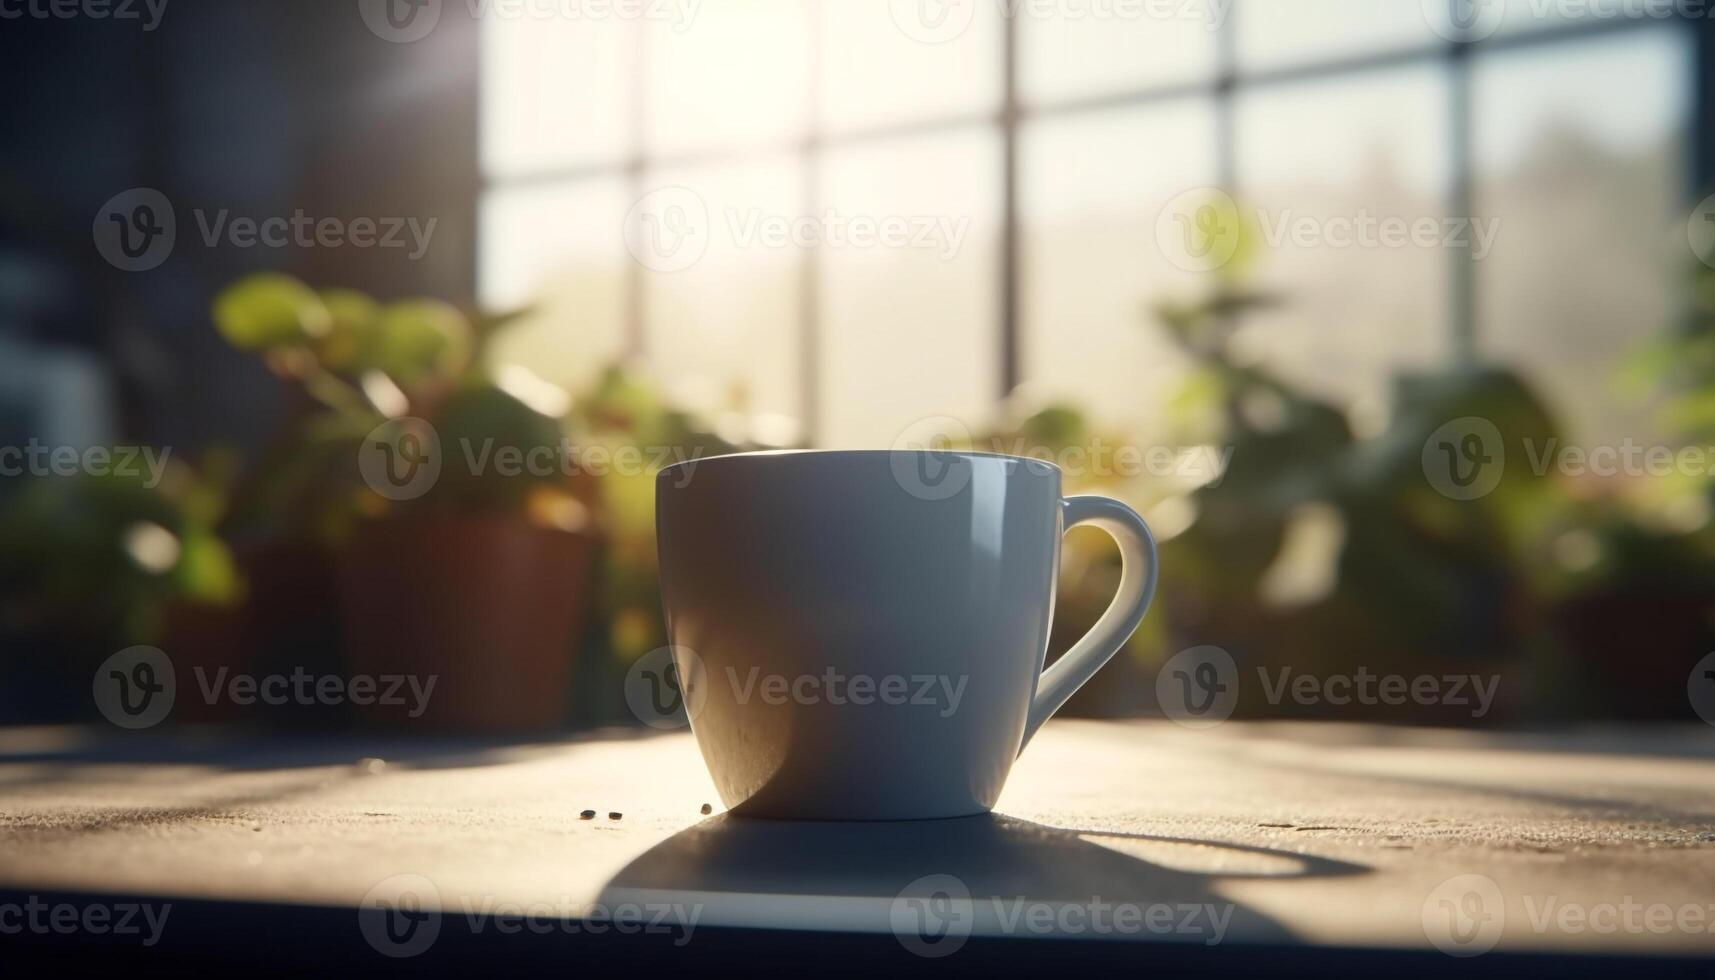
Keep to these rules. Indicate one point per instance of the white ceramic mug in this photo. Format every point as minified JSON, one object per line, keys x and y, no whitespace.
{"x":860,"y":635}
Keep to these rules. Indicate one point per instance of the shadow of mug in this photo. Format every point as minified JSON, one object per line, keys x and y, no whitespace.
{"x":929,"y":880}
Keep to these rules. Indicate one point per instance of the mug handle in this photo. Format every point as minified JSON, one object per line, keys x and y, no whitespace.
{"x":1140,"y":568}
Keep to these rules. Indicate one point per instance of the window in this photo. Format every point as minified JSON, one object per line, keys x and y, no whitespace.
{"x":765,"y":143}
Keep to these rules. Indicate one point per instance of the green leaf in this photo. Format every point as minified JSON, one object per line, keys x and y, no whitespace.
{"x":354,"y":330}
{"x":421,"y":337}
{"x":270,"y":310}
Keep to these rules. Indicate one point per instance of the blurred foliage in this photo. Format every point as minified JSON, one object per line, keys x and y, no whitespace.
{"x":1324,"y":546}
{"x":99,"y":557}
{"x":354,"y":363}
{"x":1325,"y":551}
{"x":624,"y":412}
{"x":357,"y":362}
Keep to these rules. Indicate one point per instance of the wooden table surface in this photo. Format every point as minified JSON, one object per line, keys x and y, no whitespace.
{"x":1276,"y":833}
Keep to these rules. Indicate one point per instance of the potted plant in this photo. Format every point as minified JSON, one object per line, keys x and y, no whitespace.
{"x":1326,"y":551}
{"x":475,"y":582}
{"x":96,"y":563}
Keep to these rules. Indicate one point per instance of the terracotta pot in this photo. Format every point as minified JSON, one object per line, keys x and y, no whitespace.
{"x":292,"y":623}
{"x":1633,"y":651}
{"x":488,"y":607}
{"x":203,"y":641}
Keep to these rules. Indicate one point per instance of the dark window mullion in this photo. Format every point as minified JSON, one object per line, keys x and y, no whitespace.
{"x":1010,"y":268}
{"x":636,"y":299}
{"x":809,"y":259}
{"x":1462,"y":307}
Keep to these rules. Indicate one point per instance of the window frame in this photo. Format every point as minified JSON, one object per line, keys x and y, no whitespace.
{"x":1223,"y":88}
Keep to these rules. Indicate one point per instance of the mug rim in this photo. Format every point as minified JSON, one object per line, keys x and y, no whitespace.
{"x":852,"y":453}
